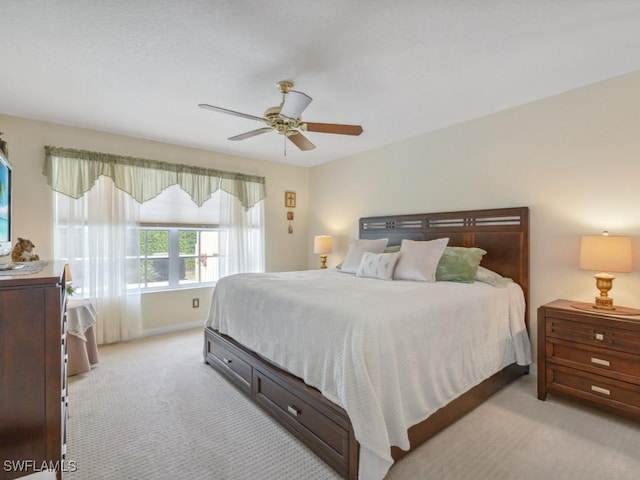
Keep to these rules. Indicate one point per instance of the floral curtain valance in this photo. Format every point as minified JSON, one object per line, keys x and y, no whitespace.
{"x":74,"y":172}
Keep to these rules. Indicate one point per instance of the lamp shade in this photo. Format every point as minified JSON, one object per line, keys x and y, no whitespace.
{"x":67,"y":272}
{"x":294,"y":104}
{"x":606,"y":254}
{"x":322,"y":244}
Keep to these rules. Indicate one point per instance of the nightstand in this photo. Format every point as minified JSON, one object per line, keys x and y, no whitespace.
{"x":589,"y":356}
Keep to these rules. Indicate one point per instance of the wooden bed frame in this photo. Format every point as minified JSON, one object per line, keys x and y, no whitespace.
{"x":325,"y":427}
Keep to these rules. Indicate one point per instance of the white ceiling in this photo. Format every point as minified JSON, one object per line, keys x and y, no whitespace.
{"x":398,"y":68}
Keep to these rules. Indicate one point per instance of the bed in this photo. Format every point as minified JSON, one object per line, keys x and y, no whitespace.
{"x":331,"y":367}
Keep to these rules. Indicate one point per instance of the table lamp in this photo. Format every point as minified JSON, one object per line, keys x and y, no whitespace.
{"x":323,"y":244}
{"x":67,"y":272}
{"x":605,"y":254}
{"x":67,"y":280}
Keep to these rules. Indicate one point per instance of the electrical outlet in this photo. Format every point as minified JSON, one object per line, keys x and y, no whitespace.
{"x":195,"y":303}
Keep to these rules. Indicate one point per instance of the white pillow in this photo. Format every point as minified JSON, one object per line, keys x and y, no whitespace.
{"x":492,"y":278}
{"x":378,"y":265}
{"x":419,"y":259}
{"x":357,"y":247}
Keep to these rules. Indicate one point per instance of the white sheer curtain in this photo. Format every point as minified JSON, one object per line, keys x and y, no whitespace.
{"x":98,"y":234}
{"x":242,"y":236}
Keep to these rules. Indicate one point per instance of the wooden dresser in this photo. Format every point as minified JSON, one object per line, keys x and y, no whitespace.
{"x":589,"y":356}
{"x":33,"y":388}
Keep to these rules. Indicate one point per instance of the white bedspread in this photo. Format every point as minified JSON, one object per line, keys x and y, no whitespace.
{"x":390,"y":353}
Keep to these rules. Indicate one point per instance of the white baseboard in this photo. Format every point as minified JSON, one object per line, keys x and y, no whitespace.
{"x":173,"y":328}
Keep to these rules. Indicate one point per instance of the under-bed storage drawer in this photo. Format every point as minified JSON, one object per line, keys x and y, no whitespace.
{"x":230,"y":363}
{"x":320,"y":424}
{"x":307,"y":421}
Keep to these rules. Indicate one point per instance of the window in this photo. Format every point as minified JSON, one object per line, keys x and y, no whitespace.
{"x":175,"y":256}
{"x":103,"y":199}
{"x":175,"y":244}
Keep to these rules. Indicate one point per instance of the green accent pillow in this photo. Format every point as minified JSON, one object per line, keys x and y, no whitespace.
{"x":459,"y":264}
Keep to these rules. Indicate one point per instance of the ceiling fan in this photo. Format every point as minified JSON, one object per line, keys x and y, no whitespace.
{"x":285,"y":119}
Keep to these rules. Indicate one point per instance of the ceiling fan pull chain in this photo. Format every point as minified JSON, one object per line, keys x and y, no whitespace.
{"x":285,"y":145}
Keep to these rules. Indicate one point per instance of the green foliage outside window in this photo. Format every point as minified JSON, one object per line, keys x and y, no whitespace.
{"x":155,"y":243}
{"x":187,"y":240}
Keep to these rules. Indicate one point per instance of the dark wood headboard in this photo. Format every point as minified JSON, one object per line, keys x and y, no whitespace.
{"x":502,"y":232}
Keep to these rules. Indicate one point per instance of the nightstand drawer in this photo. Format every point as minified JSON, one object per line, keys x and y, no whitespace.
{"x":598,"y":335}
{"x":595,"y":388}
{"x":611,"y":363}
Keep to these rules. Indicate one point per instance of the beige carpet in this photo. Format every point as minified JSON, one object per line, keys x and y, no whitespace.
{"x":152,"y":409}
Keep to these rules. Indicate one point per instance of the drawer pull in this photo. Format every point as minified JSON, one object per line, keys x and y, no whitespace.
{"x":599,"y":336}
{"x":226,"y":360}
{"x":293,"y":410}
{"x":599,"y":361}
{"x":601,"y":390}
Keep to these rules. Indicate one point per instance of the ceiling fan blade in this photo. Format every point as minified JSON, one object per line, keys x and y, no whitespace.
{"x":332,"y":128}
{"x":300,"y":141}
{"x":230,"y":112}
{"x":294,"y":104}
{"x":250,"y":134}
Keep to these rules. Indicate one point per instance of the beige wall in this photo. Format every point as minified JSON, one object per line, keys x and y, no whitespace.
{"x":33,"y":210}
{"x":574,"y":159}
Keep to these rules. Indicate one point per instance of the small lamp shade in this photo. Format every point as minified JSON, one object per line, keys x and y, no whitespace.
{"x":295,"y":103}
{"x":606,"y":254}
{"x":322,"y":244}
{"x":67,"y":273}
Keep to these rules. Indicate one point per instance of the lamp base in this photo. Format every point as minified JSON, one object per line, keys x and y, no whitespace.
{"x":604,"y":303}
{"x":323,"y":261}
{"x":590,"y":307}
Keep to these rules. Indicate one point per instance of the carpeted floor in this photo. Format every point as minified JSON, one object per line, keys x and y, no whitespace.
{"x":152,"y":409}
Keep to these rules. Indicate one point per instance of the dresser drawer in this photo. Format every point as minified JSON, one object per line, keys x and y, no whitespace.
{"x":229,"y":362}
{"x":303,"y":417}
{"x":598,"y":335}
{"x":605,"y":391}
{"x":611,"y":363}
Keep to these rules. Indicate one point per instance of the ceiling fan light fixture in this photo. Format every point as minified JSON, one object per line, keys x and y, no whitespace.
{"x":294,"y":104}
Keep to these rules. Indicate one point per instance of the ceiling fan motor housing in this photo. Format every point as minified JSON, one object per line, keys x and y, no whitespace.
{"x":278,"y":122}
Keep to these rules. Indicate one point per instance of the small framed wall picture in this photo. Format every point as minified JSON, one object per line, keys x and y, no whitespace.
{"x":290,"y":199}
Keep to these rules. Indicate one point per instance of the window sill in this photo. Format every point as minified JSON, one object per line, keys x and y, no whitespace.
{"x":176,"y":289}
